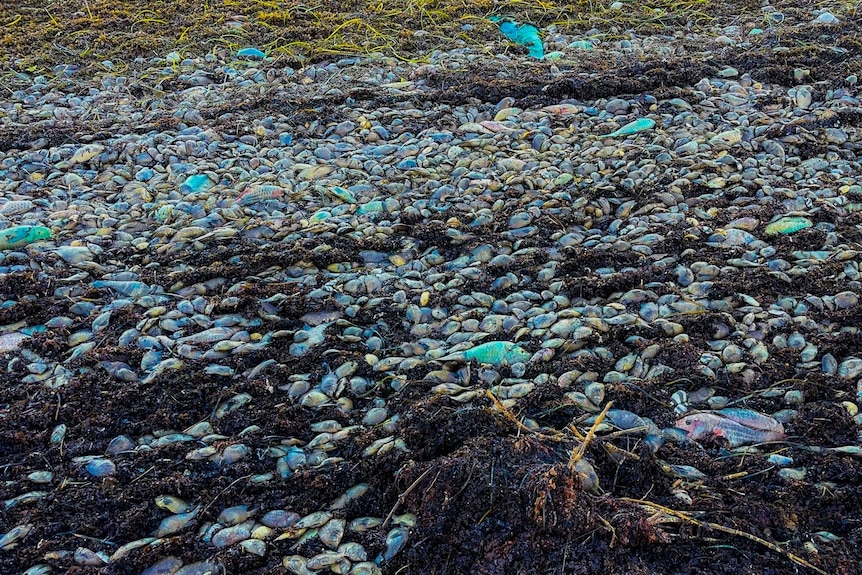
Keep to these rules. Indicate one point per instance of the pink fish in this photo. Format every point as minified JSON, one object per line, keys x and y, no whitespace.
{"x":495,"y":126}
{"x":738,"y":428}
{"x":561,"y":109}
{"x":11,"y":341}
{"x":752,"y":419}
{"x":260,"y":193}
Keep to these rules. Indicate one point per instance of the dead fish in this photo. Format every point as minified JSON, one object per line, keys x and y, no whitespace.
{"x":86,"y":153}
{"x":175,"y":523}
{"x":561,"y":109}
{"x":704,"y":426}
{"x":260,"y":193}
{"x":124,"y":550}
{"x":395,"y":541}
{"x":10,"y":540}
{"x":331,"y":533}
{"x":172,"y":504}
{"x":16,"y":207}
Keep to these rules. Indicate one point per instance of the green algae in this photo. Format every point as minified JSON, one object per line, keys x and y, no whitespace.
{"x":38,"y":35}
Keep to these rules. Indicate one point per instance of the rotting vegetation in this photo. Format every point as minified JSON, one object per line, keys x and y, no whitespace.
{"x":297,"y":32}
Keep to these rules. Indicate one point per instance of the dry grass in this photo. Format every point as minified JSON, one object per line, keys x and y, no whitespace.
{"x":37,"y":36}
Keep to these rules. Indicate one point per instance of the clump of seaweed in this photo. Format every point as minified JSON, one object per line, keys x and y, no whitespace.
{"x":38,"y":36}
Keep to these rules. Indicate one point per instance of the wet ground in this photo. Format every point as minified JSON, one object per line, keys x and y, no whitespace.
{"x":490,"y":497}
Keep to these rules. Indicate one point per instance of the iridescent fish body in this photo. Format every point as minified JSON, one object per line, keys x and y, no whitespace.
{"x":344,"y":195}
{"x":11,"y":341}
{"x":752,"y":419}
{"x":727,"y":138}
{"x":497,"y":353}
{"x":262,"y":193}
{"x":16,"y":207}
{"x":371,"y":207}
{"x":788,"y":225}
{"x":20,"y":236}
{"x":251,"y":53}
{"x":705,"y":426}
{"x":127,"y":288}
{"x":196,"y":183}
{"x":562,"y":109}
{"x":638,"y":125}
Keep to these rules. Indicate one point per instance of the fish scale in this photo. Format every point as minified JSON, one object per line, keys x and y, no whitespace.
{"x":752,"y":419}
{"x":705,"y":425}
{"x":494,"y":353}
{"x":20,"y":236}
{"x":16,"y":207}
{"x":260,"y":193}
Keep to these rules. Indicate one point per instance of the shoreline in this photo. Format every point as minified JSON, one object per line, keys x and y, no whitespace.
{"x":376,"y":316}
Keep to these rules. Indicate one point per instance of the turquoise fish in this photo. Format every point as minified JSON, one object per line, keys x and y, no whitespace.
{"x":371,"y":207}
{"x":20,"y":236}
{"x":525,"y":35}
{"x":497,"y":353}
{"x":251,"y":53}
{"x":638,"y":125}
{"x":342,"y":194}
{"x":320,"y":215}
{"x":196,"y":183}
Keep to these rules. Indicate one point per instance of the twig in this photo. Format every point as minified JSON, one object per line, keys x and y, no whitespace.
{"x":745,"y":474}
{"x":142,"y":474}
{"x":614,"y":450}
{"x":578,"y":452}
{"x":629,"y":431}
{"x":404,"y":495}
{"x":659,"y":401}
{"x":487,"y":513}
{"x":88,"y":538}
{"x":511,"y":417}
{"x":730,"y":530}
{"x":577,"y":433}
{"x":610,"y":527}
{"x":234,"y":482}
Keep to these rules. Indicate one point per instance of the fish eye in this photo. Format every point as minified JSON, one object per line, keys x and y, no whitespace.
{"x":688,"y":421}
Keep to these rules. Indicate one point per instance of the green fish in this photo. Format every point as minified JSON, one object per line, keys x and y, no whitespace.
{"x":788,"y":225}
{"x":525,"y":35}
{"x":638,"y":125}
{"x":342,"y":194}
{"x":20,"y":236}
{"x":319,"y":216}
{"x":497,"y":353}
{"x":371,"y":207}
